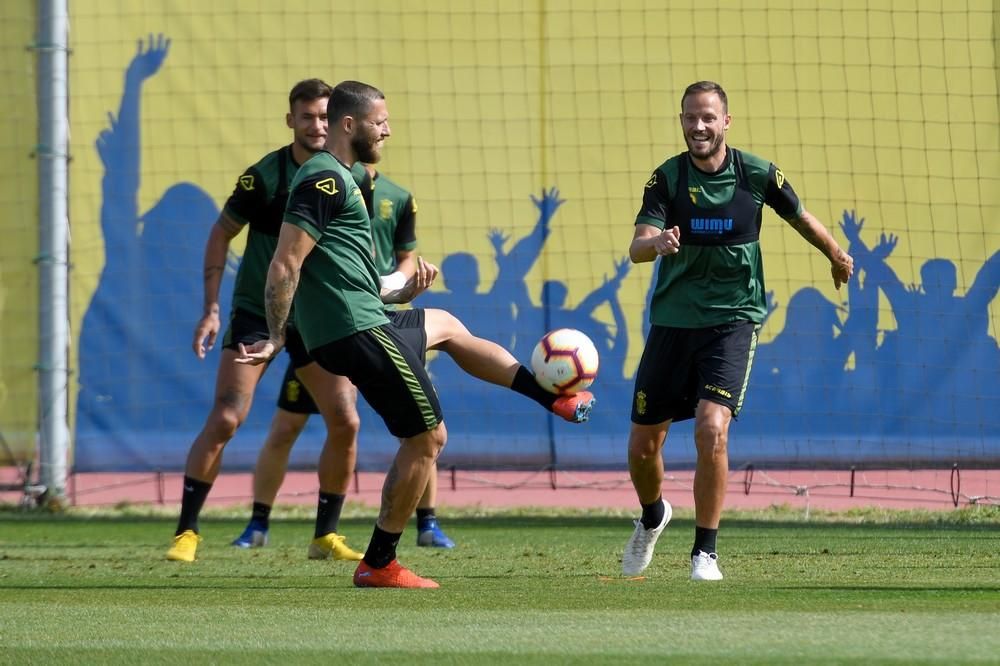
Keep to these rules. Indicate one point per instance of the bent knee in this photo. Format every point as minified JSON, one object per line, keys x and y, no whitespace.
{"x":431,"y":442}
{"x":224,"y":421}
{"x":341,"y":414}
{"x":441,"y":327}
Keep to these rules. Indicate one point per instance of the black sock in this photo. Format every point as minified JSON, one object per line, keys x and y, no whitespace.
{"x":261,"y":514}
{"x":424,"y":514}
{"x":652,"y":514}
{"x":704,"y":540}
{"x":526,"y":384}
{"x":382,"y":548}
{"x":193,"y":498}
{"x":328,"y":513}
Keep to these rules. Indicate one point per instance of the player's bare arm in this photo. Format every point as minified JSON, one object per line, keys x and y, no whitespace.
{"x":421,"y":280}
{"x":810,"y":228}
{"x":649,"y":242}
{"x":406,"y":267}
{"x":406,"y":262}
{"x":294,"y":245}
{"x":207,"y":329}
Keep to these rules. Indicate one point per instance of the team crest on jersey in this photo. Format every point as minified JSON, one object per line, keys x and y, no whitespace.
{"x":328,"y":186}
{"x":385,"y":209}
{"x":246,"y":182}
{"x":652,"y":181}
{"x":693,"y":194}
{"x":779,"y":178}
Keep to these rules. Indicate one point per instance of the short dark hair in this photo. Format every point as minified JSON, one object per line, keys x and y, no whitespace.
{"x":308,"y":91}
{"x":706,"y":87}
{"x":352,"y":98}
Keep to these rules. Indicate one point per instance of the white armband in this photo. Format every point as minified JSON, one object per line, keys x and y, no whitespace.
{"x":393,"y":281}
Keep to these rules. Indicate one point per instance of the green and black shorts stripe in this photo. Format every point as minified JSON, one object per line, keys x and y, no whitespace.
{"x":390,"y":375}
{"x":681,"y":366}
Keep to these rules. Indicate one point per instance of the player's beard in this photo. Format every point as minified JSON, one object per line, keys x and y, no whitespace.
{"x":367,"y":149}
{"x":714,"y":146}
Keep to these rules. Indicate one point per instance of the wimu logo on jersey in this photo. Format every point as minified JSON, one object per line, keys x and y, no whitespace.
{"x":711,"y":225}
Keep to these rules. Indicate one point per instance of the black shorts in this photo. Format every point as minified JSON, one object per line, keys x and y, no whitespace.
{"x":390,"y":375}
{"x":296,"y":399}
{"x":293,"y":396}
{"x":681,"y":366}
{"x":247,"y":328}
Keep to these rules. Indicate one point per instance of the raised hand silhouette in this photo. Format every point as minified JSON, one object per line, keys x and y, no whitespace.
{"x":852,"y":225}
{"x":548,"y":204}
{"x":885,"y":246}
{"x":148,"y":60}
{"x":498,"y":239}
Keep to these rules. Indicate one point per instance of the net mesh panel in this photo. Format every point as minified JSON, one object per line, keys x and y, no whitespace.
{"x":19,"y":303}
{"x":526,"y":132}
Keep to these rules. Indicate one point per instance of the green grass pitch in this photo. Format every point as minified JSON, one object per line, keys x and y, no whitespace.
{"x":519,"y":589}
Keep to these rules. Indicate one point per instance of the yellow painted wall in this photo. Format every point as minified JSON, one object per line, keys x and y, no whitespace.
{"x":889,"y":108}
{"x":19,"y":230}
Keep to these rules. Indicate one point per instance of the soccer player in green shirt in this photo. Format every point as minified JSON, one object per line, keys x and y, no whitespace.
{"x":258,"y":202}
{"x":701,"y":216}
{"x":325,"y":261}
{"x":393,"y":212}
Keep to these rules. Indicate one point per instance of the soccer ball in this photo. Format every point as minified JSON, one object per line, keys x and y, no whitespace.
{"x":565,"y":361}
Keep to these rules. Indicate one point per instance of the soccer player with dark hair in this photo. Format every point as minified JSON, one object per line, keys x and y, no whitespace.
{"x":700,"y":216}
{"x":393,"y":213}
{"x":258,"y":201}
{"x":325,"y":261}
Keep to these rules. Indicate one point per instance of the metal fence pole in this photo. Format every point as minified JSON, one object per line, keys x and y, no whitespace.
{"x":53,"y":156}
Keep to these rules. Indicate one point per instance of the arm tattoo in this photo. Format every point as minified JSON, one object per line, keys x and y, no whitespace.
{"x":278,"y":296}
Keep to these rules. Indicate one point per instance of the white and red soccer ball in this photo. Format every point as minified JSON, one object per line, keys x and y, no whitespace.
{"x":565,"y":361}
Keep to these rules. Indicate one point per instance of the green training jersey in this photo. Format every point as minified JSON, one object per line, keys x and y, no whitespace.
{"x":717,"y":277}
{"x":259,"y":200}
{"x":394,"y":217}
{"x":338,"y":292}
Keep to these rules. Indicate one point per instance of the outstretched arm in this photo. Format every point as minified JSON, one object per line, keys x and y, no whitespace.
{"x":860,"y":330}
{"x":514,"y":266}
{"x":119,"y":145}
{"x":810,"y":228}
{"x":984,"y":287}
{"x":871,"y":262}
{"x":619,"y":346}
{"x":606,"y":292}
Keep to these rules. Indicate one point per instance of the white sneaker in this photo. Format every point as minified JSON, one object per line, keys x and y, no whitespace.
{"x":639,"y":549}
{"x":705,"y":566}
